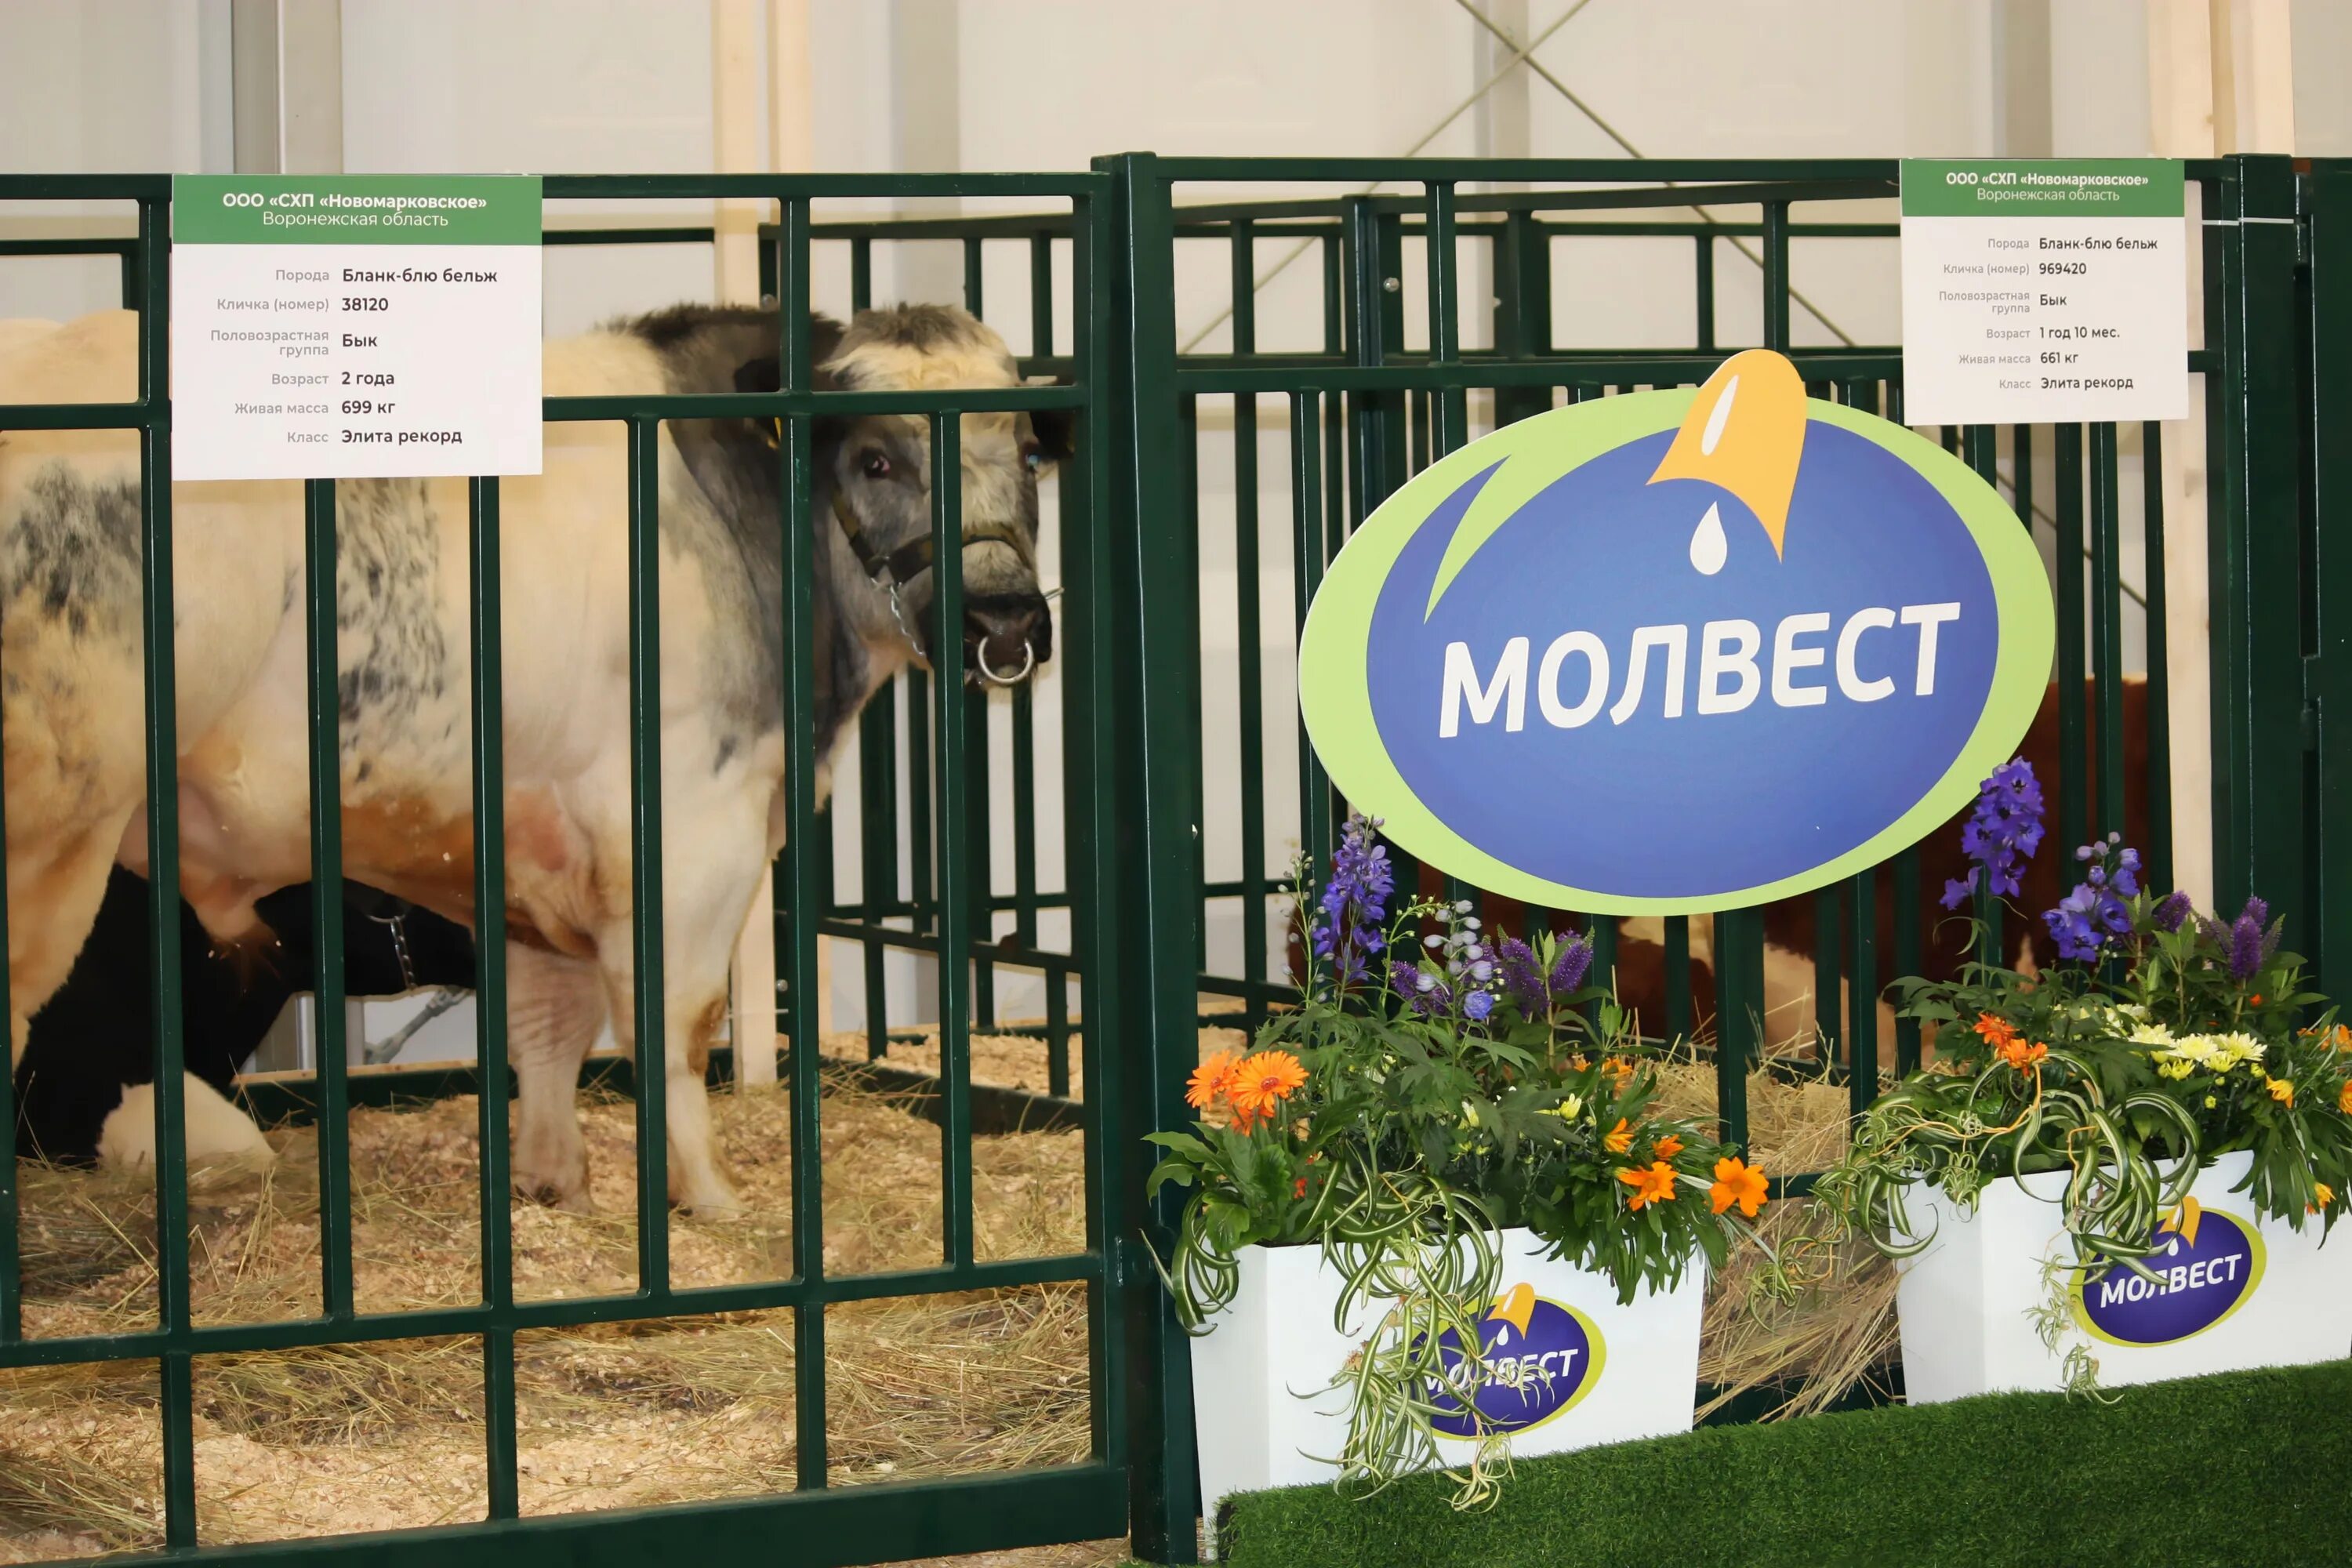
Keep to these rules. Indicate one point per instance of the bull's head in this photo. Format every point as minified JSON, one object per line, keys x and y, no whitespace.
{"x":874,"y":476}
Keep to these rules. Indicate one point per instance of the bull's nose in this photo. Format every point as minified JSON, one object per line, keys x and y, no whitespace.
{"x":1006,"y":636}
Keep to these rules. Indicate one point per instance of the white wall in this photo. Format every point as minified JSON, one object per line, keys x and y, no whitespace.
{"x":620,"y":86}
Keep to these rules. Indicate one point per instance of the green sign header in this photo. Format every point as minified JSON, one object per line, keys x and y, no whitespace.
{"x":2042,"y":187}
{"x":355,"y":209}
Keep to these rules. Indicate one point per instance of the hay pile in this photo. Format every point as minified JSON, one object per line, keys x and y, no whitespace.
{"x":390,"y":1435}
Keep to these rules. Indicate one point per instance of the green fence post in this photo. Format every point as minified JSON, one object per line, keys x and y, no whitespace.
{"x":2326,"y":196}
{"x":2255,"y":538}
{"x":1156,"y":604}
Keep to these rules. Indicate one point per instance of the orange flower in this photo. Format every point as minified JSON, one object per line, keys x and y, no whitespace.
{"x":2340,"y":1037}
{"x":1578,"y":1062}
{"x":1620,"y":1138}
{"x":2324,"y":1194}
{"x":1737,"y":1182}
{"x":1209,"y":1079}
{"x":1621,"y":1068}
{"x":1996,"y":1030}
{"x":2021,"y":1054}
{"x":1669,"y":1146}
{"x":2282,"y":1089}
{"x":1299,"y":1188}
{"x":2344,"y":1097}
{"x":2255,"y":999}
{"x":1654,"y":1186}
{"x":1264,"y":1081}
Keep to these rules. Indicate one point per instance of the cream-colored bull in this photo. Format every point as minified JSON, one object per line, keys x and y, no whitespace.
{"x":72,"y":708}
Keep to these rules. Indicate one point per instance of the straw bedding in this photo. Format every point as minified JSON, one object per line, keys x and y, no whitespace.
{"x":389,"y":1434}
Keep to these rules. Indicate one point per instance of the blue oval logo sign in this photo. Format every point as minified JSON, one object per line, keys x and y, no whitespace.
{"x":1677,"y":651}
{"x":2203,"y":1272}
{"x":1541,"y":1357}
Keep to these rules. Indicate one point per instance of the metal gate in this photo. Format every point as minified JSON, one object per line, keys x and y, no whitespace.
{"x":1172,"y":907}
{"x":820,"y":1521}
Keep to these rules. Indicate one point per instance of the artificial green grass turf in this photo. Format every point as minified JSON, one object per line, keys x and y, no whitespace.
{"x":2242,"y":1468}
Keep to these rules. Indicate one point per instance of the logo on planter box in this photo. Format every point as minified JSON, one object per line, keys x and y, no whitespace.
{"x":1541,"y":1357}
{"x":1613,"y":657}
{"x":2207,"y":1267}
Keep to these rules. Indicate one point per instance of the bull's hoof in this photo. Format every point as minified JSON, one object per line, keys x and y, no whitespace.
{"x":714,"y":1204}
{"x":548,"y":1192}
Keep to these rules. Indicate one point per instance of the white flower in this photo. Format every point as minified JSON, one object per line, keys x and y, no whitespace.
{"x":2231,"y":1048}
{"x":2198,"y":1048}
{"x":2151,"y":1035}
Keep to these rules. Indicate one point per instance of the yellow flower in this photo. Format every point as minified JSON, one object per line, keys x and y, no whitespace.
{"x":1570,"y":1108}
{"x":2282,"y":1089}
{"x":1737,"y":1182}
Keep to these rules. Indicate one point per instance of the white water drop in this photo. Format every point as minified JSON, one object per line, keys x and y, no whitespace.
{"x":1708,"y":547}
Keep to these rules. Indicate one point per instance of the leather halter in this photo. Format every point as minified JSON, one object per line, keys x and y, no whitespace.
{"x":897,"y":568}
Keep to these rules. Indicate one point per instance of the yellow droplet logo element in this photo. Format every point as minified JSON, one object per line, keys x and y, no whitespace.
{"x":1515,"y":1308}
{"x":1745,"y":433}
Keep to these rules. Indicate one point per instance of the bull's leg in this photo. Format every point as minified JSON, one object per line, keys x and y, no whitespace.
{"x":696,"y":1005}
{"x":554,"y":1008}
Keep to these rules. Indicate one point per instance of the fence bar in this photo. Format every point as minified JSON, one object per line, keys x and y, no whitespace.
{"x":327,"y":900}
{"x":2074,"y":743}
{"x":152,"y":415}
{"x":490,"y":992}
{"x":2155,"y":832}
{"x":807,"y":854}
{"x":1828,"y":979}
{"x":1188,"y":489}
{"x":1306,"y":576}
{"x":1702,"y":283}
{"x":1862,"y":987}
{"x":645,"y":851}
{"x":1678,"y":976}
{"x":1909,"y":943}
{"x":878,"y":840}
{"x":955,"y":861}
{"x":978,"y":851}
{"x":923,"y":864}
{"x":861,"y":274}
{"x":2107,"y":627}
{"x":1249,"y":637}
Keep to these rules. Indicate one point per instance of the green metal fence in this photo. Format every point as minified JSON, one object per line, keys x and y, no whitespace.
{"x":1344,"y":421}
{"x":823,"y":1523}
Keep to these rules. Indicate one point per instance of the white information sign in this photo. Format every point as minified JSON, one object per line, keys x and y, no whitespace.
{"x":354,"y":327}
{"x":2043,"y":291}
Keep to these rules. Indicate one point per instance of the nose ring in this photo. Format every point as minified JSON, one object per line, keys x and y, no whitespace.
{"x":1028,"y":663}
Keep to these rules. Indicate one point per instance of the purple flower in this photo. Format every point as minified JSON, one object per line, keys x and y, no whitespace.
{"x":2168,"y":914}
{"x":1517,"y":961}
{"x":1478,"y":1005}
{"x":1346,"y":932}
{"x":2001,"y":835}
{"x":2246,"y":948}
{"x":1569,"y":969}
{"x":2093,"y":913}
{"x":1423,"y":991}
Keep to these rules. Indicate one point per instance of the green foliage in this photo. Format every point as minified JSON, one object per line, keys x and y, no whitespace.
{"x":2178,"y":1043}
{"x":2019,"y":1480}
{"x":1475,"y":1086}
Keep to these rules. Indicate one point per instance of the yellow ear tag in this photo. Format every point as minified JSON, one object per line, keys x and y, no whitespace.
{"x":1745,"y":432}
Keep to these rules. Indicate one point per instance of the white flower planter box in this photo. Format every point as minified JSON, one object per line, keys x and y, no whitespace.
{"x":2251,"y":1292}
{"x":1603,"y":1374}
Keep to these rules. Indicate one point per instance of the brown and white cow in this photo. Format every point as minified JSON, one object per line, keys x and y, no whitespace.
{"x":71,"y":694}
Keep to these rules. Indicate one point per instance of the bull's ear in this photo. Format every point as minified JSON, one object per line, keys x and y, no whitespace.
{"x":762,"y":374}
{"x":1056,"y":433}
{"x":766,"y":375}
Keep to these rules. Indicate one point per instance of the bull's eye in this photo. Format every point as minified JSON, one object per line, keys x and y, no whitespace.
{"x":1033,"y":458}
{"x":876,"y":465}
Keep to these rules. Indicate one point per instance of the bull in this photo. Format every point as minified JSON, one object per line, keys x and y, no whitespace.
{"x":71,"y":673}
